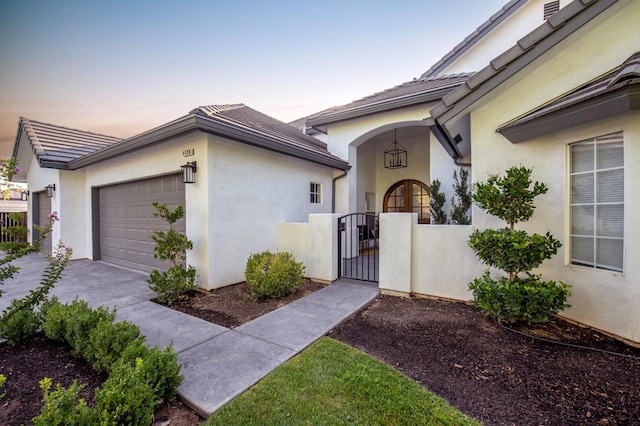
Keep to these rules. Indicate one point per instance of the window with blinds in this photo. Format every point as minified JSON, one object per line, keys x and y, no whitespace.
{"x":597,"y":202}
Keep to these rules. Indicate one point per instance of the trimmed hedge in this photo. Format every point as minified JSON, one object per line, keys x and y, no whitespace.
{"x":140,"y":377}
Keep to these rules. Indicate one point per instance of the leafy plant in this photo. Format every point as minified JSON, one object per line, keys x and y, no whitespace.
{"x":20,"y":320}
{"x":108,"y":341}
{"x":2,"y":380}
{"x":514,"y":298}
{"x":172,"y":284}
{"x":124,"y":398}
{"x":438,"y":199}
{"x":63,"y":407}
{"x":462,"y":200}
{"x":272,"y":276}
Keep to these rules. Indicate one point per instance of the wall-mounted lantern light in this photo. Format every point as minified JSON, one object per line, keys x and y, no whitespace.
{"x":189,"y":172}
{"x":395,"y":157}
{"x":49,"y":190}
{"x":24,"y":195}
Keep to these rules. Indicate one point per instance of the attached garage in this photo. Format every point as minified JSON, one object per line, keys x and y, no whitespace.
{"x":124,"y":220}
{"x":41,"y":212}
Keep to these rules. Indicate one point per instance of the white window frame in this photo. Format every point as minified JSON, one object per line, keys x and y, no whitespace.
{"x":595,"y":203}
{"x":315,"y":193}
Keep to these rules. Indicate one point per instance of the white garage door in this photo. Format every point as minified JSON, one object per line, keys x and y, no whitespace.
{"x":126,"y":220}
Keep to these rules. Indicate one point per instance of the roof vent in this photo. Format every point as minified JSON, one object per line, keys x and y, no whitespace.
{"x":550,"y":9}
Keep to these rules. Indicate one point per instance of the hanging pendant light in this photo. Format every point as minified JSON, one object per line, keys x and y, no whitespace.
{"x":395,"y":157}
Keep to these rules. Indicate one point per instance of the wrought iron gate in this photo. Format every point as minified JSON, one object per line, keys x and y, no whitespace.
{"x":358,"y":247}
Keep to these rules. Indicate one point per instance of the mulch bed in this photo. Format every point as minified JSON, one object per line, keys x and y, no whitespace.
{"x":232,"y":306}
{"x":497,"y":376}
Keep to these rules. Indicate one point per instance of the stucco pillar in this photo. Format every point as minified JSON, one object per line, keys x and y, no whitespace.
{"x":322,"y":261}
{"x":396,"y":230}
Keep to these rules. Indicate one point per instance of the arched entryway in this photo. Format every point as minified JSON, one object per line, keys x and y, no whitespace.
{"x":408,"y":196}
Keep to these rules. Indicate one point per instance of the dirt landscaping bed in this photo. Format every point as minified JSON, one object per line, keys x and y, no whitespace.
{"x":484,"y":370}
{"x":495,"y":375}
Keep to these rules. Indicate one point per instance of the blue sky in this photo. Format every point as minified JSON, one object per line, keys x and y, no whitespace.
{"x":122,"y":67}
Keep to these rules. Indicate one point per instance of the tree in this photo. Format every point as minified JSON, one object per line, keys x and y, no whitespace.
{"x":438,"y":199}
{"x":461,"y":201}
{"x":515,"y":298}
{"x":172,"y":246}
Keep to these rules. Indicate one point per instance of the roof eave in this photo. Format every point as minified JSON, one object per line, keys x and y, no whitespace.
{"x":383,"y":106}
{"x":191,"y":123}
{"x":615,"y":102}
{"x":528,"y":49}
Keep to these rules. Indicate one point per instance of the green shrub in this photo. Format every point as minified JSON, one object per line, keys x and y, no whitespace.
{"x":160,"y":369}
{"x":21,"y":325}
{"x":172,"y":285}
{"x":63,"y":407}
{"x":271,"y":276}
{"x":12,"y":247}
{"x":171,"y":246}
{"x":523,"y":299}
{"x":514,"y":298}
{"x":125,"y":398}
{"x":108,"y":342}
{"x":2,"y":380}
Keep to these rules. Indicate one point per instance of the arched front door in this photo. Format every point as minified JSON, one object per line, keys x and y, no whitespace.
{"x":408,"y":196}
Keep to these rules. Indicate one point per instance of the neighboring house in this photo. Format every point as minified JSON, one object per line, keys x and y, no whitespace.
{"x":252,"y":172}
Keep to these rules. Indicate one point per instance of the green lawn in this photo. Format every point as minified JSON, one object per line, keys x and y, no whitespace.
{"x":331,"y":383}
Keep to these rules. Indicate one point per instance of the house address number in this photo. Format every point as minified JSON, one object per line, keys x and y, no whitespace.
{"x":188,"y":152}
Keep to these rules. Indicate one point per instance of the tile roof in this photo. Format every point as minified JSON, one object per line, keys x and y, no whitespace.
{"x":417,"y":91}
{"x":555,"y":29}
{"x":58,"y":145}
{"x":241,"y":116}
{"x":474,"y":37}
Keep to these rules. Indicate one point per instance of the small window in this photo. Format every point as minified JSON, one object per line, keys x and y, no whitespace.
{"x":550,"y":9}
{"x":315,"y":193}
{"x":597,"y":202}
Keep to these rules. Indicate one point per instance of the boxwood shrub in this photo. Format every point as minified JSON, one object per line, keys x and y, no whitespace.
{"x":272,"y":276}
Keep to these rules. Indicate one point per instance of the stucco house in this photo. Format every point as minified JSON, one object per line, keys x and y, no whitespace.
{"x":251,"y":172}
{"x":551,"y":85}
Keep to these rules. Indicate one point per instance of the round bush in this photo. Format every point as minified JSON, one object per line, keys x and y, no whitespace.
{"x":272,"y":276}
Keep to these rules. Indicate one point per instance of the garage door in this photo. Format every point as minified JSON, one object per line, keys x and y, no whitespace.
{"x":126,"y":220}
{"x":42,"y":210}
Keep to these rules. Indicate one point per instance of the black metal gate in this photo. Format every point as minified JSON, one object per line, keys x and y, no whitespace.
{"x":358,"y":247}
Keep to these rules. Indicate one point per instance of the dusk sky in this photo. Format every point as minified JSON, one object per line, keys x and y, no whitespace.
{"x":123,"y":67}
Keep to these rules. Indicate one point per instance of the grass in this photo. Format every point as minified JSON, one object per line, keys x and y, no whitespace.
{"x":331,"y":383}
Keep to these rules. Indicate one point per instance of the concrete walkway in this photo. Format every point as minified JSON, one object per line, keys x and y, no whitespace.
{"x":218,"y":363}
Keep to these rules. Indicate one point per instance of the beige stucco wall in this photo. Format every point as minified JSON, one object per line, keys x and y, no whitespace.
{"x":251,"y":191}
{"x":606,"y":300}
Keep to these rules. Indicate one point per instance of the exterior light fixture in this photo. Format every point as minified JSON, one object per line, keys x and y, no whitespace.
{"x":49,"y":190}
{"x":24,"y":195}
{"x":395,"y":157}
{"x":189,"y":172}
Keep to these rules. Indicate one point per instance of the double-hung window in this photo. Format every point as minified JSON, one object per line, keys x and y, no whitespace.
{"x":597,"y":202}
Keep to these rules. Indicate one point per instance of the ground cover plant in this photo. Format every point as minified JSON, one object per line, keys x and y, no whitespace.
{"x":332,"y":383}
{"x":516,"y":297}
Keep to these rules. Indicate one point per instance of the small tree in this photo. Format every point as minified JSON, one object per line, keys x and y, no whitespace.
{"x":171,"y":285}
{"x":461,"y":206}
{"x":438,"y":199}
{"x":514,"y":298}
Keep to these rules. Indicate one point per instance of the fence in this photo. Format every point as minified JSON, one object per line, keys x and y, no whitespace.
{"x":7,"y":220}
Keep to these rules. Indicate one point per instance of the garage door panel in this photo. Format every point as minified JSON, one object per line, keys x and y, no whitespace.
{"x":127,"y":220}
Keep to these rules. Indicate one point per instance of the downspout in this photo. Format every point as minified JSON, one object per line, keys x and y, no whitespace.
{"x":333,"y":190}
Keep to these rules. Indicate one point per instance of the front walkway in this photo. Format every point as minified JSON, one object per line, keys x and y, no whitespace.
{"x":218,"y":363}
